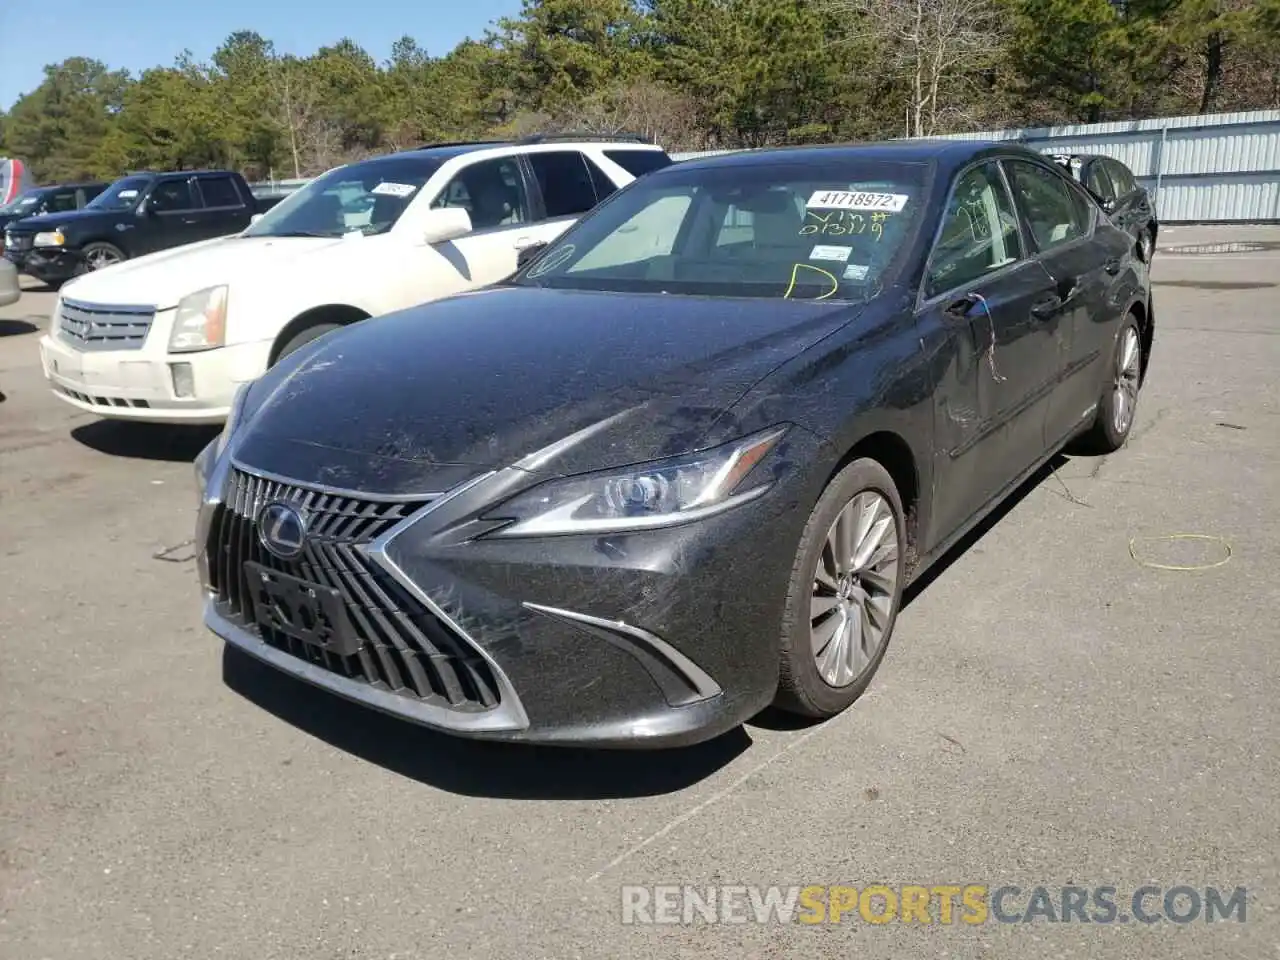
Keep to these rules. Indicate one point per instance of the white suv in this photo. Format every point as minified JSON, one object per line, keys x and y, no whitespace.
{"x":169,"y":337}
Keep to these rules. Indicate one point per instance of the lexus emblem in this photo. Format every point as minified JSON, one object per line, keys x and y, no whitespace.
{"x":282,"y":529}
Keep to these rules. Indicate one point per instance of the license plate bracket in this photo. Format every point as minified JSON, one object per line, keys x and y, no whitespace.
{"x":314,"y":614}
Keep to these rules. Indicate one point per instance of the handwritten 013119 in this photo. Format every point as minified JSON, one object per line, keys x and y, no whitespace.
{"x":842,"y":223}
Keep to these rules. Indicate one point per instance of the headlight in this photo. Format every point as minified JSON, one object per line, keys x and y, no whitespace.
{"x":50,"y":238}
{"x":201,"y":321}
{"x":644,"y":496}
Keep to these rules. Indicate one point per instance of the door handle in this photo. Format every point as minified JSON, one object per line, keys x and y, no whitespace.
{"x":958,"y":310}
{"x":524,"y":243}
{"x":1047,"y":306}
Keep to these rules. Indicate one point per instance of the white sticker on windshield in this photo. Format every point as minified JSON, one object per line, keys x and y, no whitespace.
{"x":390,"y":189}
{"x":127,"y":194}
{"x":821,"y":252}
{"x":856,"y":271}
{"x":849,"y":200}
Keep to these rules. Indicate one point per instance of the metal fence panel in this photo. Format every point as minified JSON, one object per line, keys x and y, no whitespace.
{"x":1212,"y":168}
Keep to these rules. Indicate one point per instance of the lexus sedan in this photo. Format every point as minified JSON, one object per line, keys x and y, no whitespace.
{"x":1118,"y":192}
{"x":681,"y":465}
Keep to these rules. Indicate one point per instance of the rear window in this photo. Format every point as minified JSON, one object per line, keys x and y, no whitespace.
{"x":639,"y":162}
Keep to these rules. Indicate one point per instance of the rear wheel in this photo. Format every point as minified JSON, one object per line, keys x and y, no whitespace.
{"x":845,"y":590}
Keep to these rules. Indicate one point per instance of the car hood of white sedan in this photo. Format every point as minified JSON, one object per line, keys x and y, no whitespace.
{"x":162,"y":279}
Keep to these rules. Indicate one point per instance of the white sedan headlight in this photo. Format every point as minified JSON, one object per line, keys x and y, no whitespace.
{"x":201,"y":321}
{"x":50,"y":238}
{"x":644,"y":496}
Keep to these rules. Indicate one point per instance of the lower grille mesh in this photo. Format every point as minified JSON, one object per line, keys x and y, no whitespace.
{"x":404,"y":648}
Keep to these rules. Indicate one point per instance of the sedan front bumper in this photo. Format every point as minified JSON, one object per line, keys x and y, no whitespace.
{"x":640,"y":640}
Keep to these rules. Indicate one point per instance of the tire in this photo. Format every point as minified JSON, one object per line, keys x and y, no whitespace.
{"x":802,"y":687}
{"x":95,"y":256}
{"x":303,"y":337}
{"x":1119,"y":400}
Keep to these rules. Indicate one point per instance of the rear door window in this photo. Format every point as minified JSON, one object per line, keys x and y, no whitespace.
{"x":219,"y":192}
{"x":600,"y":180}
{"x":1122,"y":177}
{"x":1097,"y":180}
{"x":565,"y":182}
{"x":1055,"y":215}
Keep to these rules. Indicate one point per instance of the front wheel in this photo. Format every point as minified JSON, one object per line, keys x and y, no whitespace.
{"x":845,"y":590}
{"x":1119,"y":401}
{"x":96,"y":256}
{"x":303,"y":337}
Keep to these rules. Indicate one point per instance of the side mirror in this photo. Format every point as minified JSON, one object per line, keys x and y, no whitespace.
{"x":442,"y":224}
{"x":528,"y":253}
{"x":1109,"y":204}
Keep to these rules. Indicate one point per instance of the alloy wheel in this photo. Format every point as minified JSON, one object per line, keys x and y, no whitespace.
{"x":97,"y":259}
{"x":1128,"y":373}
{"x":853,"y":589}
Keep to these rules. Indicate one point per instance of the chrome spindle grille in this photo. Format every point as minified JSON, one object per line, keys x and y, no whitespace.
{"x":95,"y":326}
{"x":404,"y":648}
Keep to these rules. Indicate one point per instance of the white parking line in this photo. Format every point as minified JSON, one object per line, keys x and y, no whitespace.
{"x":713,"y":799}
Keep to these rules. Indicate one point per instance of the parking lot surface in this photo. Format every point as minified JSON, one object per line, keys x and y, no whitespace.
{"x":1058,"y":708}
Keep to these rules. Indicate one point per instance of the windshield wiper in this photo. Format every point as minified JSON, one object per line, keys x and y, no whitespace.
{"x":297,"y":233}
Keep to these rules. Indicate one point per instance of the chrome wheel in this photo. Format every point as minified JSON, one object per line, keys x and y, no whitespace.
{"x":99,"y":258}
{"x":1128,"y":372}
{"x":853,"y":589}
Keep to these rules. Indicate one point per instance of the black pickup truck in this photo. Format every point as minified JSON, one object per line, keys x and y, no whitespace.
{"x":138,"y":214}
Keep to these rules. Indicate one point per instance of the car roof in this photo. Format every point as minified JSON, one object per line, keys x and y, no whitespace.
{"x":945,"y":153}
{"x":447,"y":151}
{"x":75,"y":185}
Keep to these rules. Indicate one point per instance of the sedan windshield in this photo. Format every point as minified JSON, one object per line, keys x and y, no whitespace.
{"x":365,"y":198}
{"x":121,"y":195}
{"x":815,"y":232}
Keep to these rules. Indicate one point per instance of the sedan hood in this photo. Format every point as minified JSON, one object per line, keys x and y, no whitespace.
{"x":424,"y":398}
{"x":166,"y":277}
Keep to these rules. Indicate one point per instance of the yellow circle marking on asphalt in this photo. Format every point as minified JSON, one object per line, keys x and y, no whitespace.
{"x":1173,"y":537}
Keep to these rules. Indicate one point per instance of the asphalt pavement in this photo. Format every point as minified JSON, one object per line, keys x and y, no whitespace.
{"x":1075,"y":699}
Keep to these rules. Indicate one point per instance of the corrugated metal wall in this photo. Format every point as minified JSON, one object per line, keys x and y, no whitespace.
{"x":1213,"y":168}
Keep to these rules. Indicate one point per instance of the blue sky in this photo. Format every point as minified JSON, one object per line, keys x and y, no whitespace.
{"x":136,"y":34}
